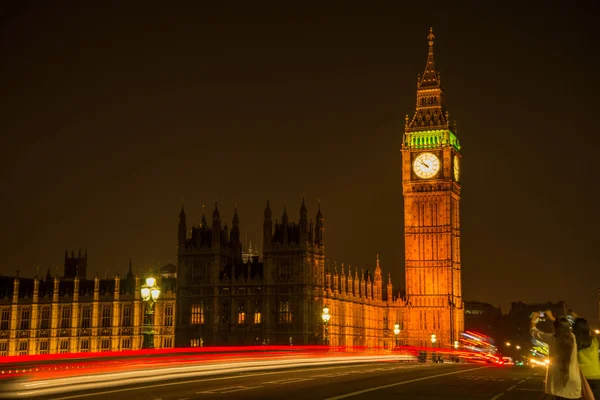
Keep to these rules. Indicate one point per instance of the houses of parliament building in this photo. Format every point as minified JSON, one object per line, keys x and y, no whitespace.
{"x":226,"y":295}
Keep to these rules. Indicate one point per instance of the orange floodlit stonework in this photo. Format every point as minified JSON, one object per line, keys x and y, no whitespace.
{"x":431,"y":186}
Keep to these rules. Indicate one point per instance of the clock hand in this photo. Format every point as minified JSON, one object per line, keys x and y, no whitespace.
{"x":426,"y":166}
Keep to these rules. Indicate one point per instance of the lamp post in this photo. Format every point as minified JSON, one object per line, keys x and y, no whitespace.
{"x":150,"y":293}
{"x":325,"y":316}
{"x":396,"y":332}
{"x":456,"y":344}
{"x":433,"y":339}
{"x":507,"y":344}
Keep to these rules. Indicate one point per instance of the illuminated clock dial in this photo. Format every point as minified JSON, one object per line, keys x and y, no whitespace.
{"x":456,"y":168}
{"x":426,"y":165}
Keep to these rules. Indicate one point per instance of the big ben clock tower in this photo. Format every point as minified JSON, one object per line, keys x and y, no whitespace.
{"x":431,"y":187}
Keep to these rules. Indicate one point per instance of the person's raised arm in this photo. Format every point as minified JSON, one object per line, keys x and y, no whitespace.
{"x":535,"y":332}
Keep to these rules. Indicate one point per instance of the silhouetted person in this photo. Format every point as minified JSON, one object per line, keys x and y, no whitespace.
{"x":587,"y":354}
{"x":563,"y":378}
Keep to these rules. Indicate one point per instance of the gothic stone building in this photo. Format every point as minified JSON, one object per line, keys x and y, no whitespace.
{"x":279,"y":299}
{"x":276,"y":300}
{"x":73,"y":314}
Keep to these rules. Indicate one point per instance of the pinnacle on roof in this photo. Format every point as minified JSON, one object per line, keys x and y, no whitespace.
{"x":430,"y":76}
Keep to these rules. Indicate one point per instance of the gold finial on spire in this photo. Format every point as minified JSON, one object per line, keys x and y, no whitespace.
{"x":431,"y":36}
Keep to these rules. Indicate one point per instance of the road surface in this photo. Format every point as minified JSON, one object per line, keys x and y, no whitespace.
{"x":383,"y":380}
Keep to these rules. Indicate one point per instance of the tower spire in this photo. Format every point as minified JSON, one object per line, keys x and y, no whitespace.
{"x":430,"y":76}
{"x":430,"y":125}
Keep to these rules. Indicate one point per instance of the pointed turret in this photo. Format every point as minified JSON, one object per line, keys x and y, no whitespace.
{"x":336,"y":278}
{"x":343,"y":281}
{"x":430,"y":77}
{"x":390,"y":290}
{"x":377,"y":282}
{"x":181,"y":230}
{"x":235,"y":222}
{"x":267,"y":228}
{"x":303,"y":223}
{"x":235,"y":242}
{"x":216,"y":225}
{"x":130,"y":271}
{"x":319,"y":240}
{"x":284,"y":227}
{"x":216,"y":216}
{"x":327,"y":276}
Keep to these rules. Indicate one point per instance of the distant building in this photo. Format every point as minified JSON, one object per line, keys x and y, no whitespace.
{"x":249,"y":253}
{"x":168,"y":271}
{"x":76,"y":266}
{"x":482,"y":317}
{"x":516,"y":323}
{"x":72,"y":314}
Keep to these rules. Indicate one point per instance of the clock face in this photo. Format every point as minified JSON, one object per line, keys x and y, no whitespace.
{"x":456,"y":168}
{"x":426,"y":165}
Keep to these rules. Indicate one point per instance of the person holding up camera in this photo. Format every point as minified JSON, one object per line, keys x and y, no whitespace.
{"x":563,"y":378}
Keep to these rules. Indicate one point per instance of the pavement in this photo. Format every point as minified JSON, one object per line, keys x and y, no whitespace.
{"x":382,"y":380}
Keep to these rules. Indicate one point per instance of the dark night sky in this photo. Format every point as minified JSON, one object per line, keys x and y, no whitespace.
{"x":111,"y":115}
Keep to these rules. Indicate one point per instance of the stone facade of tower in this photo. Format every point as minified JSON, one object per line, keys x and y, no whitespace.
{"x":431,"y":187}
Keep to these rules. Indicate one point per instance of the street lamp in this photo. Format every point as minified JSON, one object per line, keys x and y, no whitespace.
{"x":396,"y":332}
{"x":150,"y":293}
{"x":597,"y":331}
{"x":518,"y":347}
{"x":325,"y":316}
{"x":456,"y":344}
{"x":507,"y":344}
{"x":433,"y":339}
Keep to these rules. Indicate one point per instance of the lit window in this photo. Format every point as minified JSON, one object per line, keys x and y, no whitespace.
{"x":24,"y":319}
{"x":106,"y":316}
{"x":168,"y":342}
{"x":3,"y":348}
{"x":65,"y":320}
{"x":43,"y":347}
{"x":285,"y":312}
{"x":126,"y":315}
{"x":45,"y":318}
{"x":86,"y":316}
{"x":84,"y":345}
{"x":105,"y":345}
{"x":241,"y":317}
{"x":257,"y":314}
{"x":169,"y":315}
{"x":197,"y":313}
{"x":126,"y":344}
{"x":5,"y":321}
{"x":64,"y":346}
{"x":23,"y":347}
